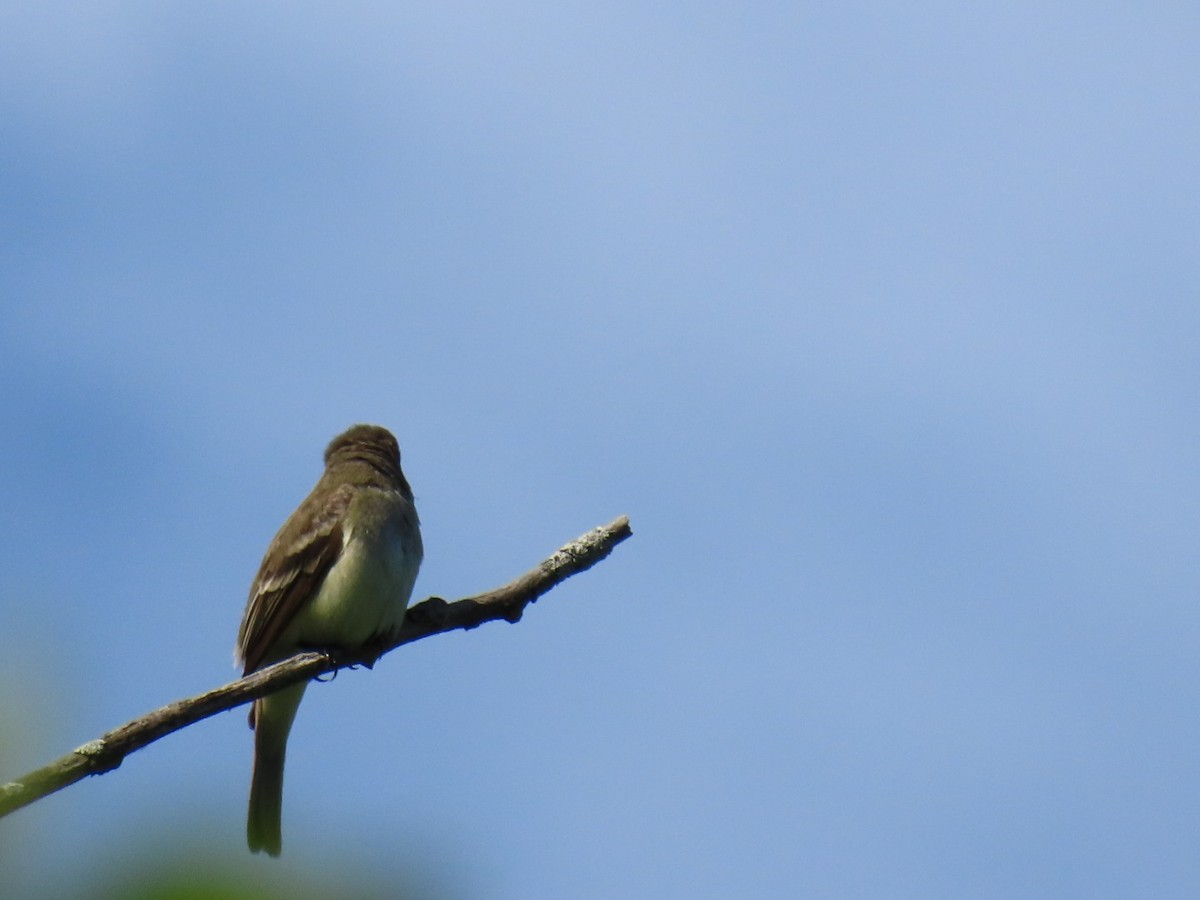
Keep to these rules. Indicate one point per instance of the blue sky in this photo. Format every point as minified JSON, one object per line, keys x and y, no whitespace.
{"x":880,"y":323}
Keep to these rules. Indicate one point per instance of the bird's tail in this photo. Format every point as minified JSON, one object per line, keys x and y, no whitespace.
{"x":272,"y":718}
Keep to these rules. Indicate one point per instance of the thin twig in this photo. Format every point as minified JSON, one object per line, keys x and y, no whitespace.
{"x":430,"y":617}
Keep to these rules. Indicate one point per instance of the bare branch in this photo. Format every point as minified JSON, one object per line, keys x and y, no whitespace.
{"x":430,"y":617}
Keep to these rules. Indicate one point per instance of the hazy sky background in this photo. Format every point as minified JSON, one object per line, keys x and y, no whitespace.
{"x":880,"y":322}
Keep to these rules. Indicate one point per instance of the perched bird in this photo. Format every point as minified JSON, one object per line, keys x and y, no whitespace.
{"x":338,"y":575}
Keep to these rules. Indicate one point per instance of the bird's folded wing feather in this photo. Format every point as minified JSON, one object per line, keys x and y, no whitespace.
{"x":292,"y":571}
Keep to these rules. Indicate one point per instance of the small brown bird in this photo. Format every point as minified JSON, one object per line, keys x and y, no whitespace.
{"x":338,"y":575}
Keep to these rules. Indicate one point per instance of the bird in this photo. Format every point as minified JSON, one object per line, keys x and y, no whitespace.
{"x":337,"y":576}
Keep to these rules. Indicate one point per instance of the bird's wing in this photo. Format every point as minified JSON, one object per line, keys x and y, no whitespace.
{"x":292,"y":571}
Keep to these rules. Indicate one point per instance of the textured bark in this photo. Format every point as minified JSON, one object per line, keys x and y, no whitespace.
{"x":425,"y":619}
